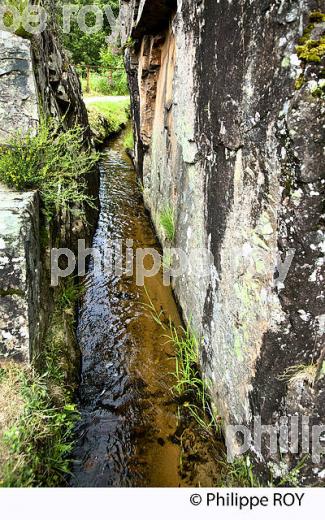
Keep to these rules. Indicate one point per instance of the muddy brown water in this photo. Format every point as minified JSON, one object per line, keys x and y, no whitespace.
{"x":127,"y":435}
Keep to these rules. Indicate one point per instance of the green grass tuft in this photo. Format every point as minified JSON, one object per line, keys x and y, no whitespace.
{"x":167,"y":222}
{"x":38,"y":441}
{"x":69,"y":294}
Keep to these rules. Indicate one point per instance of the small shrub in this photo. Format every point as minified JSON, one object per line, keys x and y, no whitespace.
{"x":101,"y":85}
{"x":54,"y":162}
{"x":167,"y":222}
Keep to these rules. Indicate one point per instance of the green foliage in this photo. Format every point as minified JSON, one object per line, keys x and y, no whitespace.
{"x":110,"y":78}
{"x":100,"y":85}
{"x":190,"y":386}
{"x":40,"y":441}
{"x":310,"y":50}
{"x":54,"y":162}
{"x":239,"y":473}
{"x":37,"y":434}
{"x":86,"y":48}
{"x":116,"y":113}
{"x":69,"y":294}
{"x":129,"y":140}
{"x":129,"y":44}
{"x":21,"y":6}
{"x":191,"y":389}
{"x":187,"y":360}
{"x":167,"y":222}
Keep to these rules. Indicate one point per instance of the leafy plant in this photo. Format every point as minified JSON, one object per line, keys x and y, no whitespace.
{"x":21,"y":6}
{"x":54,"y":162}
{"x":190,"y":386}
{"x":70,"y":294}
{"x":86,"y":48}
{"x":39,"y":441}
{"x":239,"y":473}
{"x":167,"y":222}
{"x":158,"y":317}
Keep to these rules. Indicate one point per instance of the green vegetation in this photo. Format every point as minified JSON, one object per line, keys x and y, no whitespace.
{"x":239,"y":473}
{"x":107,"y":73}
{"x":70,"y":293}
{"x":167,"y":222}
{"x":129,"y":140}
{"x":158,"y":317}
{"x":130,"y":43}
{"x":102,"y":85}
{"x":189,"y":386}
{"x":20,"y":5}
{"x":38,"y":414}
{"x":107,"y":118}
{"x":86,"y":48}
{"x":107,"y":79}
{"x":35,"y":439}
{"x":192,"y":392}
{"x":310,"y":50}
{"x":51,"y":161}
{"x":117,"y":113}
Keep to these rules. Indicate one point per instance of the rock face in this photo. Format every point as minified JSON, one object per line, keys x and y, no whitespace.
{"x":34,"y":75}
{"x":20,"y":268}
{"x":226,"y":138}
{"x":17,"y":81}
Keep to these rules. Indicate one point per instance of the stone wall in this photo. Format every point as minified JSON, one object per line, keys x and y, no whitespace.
{"x":35,"y":76}
{"x":228,"y":138}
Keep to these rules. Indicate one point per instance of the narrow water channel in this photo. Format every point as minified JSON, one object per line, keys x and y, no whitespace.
{"x":126,"y":435}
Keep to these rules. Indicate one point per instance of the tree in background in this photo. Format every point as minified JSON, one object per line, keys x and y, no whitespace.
{"x":86,"y":48}
{"x":91,"y":51}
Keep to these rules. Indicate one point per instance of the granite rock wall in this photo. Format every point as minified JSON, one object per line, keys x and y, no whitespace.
{"x":229,"y":127}
{"x":35,"y":78}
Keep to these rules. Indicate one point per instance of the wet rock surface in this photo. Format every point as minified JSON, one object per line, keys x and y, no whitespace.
{"x":225,"y":137}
